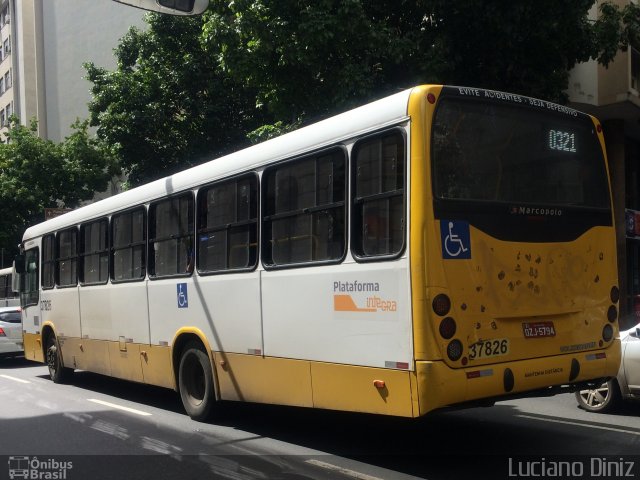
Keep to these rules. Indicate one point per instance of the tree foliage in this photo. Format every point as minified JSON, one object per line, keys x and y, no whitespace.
{"x":308,"y":59}
{"x":36,"y":174}
{"x":167,"y":106}
{"x":192,"y":88}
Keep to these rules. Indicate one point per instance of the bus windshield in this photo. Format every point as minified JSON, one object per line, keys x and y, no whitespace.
{"x":501,"y":152}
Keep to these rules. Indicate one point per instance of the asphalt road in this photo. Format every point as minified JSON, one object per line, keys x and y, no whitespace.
{"x":98,"y":427}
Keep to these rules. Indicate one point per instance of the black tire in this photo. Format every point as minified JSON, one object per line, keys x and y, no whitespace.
{"x":57,"y":371}
{"x":604,"y":398}
{"x":195,"y":381}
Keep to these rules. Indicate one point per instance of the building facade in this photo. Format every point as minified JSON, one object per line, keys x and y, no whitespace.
{"x":47,"y":43}
{"x":7,"y":64}
{"x":613,"y":95}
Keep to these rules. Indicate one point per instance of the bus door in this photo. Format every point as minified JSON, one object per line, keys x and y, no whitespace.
{"x":28,"y":266}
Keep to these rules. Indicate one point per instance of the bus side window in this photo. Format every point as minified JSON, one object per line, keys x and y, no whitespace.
{"x":228,"y":225}
{"x":305,"y":211}
{"x":94,"y":240}
{"x":171,"y":236}
{"x":4,"y":292}
{"x":128,"y":246}
{"x":48,"y":261}
{"x":378,"y":221}
{"x":67,"y":257}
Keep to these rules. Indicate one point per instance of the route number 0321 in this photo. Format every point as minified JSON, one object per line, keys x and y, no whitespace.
{"x":489,"y":348}
{"x":562,"y":141}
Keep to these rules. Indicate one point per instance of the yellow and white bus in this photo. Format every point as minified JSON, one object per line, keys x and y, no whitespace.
{"x":438,"y":247}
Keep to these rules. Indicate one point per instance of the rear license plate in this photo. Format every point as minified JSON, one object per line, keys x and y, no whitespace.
{"x":538,"y":329}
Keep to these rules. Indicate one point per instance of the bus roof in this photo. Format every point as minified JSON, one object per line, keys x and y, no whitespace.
{"x":384,"y":112}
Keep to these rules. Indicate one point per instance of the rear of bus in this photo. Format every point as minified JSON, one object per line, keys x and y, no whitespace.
{"x":514,"y":272}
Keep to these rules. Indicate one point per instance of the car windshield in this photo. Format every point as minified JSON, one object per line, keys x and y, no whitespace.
{"x":10,"y":317}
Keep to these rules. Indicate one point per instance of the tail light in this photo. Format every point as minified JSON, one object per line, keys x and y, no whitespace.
{"x":615,"y":294}
{"x":441,"y":304}
{"x":612,"y":313}
{"x":454,"y":350}
{"x":447,"y":328}
{"x":2,"y":334}
{"x":607,"y":333}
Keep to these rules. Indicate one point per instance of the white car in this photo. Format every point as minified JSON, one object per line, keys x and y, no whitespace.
{"x":11,"y":331}
{"x":626,"y":386}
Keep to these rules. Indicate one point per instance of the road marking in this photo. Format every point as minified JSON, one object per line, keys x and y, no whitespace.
{"x":119,"y":407}
{"x":344,"y":471}
{"x":15,"y":379}
{"x":578,"y":424}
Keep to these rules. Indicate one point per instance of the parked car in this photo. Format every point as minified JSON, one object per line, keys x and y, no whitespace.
{"x":11,"y":331}
{"x":626,"y":386}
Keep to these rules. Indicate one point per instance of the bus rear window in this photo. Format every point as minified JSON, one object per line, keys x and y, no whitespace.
{"x":490,"y":151}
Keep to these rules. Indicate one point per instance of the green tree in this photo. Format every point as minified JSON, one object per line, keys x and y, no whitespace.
{"x":188,"y":89}
{"x":309,"y":59}
{"x":36,"y":174}
{"x":167,"y":106}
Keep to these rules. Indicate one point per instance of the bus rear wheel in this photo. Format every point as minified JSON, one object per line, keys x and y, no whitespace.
{"x":57,"y":371}
{"x":195,"y":381}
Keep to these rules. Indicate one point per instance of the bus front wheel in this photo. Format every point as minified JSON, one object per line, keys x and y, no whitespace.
{"x":57,"y":371}
{"x":195,"y":381}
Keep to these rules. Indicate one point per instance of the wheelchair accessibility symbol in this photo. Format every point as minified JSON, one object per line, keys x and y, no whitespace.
{"x":183,"y":299}
{"x":456,"y":240}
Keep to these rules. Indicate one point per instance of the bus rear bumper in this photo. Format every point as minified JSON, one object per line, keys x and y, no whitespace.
{"x":440,"y":386}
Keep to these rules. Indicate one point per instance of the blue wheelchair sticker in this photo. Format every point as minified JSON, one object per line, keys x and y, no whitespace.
{"x":456,"y":240}
{"x":183,"y":299}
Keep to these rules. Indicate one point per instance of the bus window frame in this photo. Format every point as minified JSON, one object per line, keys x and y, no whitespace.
{"x":143,"y":243}
{"x":353,"y":200}
{"x":202,"y":190}
{"x":345,"y":205}
{"x":51,"y":261}
{"x":190,"y":194}
{"x":59,"y":259}
{"x":82,"y":254}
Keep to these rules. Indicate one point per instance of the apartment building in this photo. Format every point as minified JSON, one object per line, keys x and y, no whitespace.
{"x":613,"y":95}
{"x":44,"y":45}
{"x":7,"y":67}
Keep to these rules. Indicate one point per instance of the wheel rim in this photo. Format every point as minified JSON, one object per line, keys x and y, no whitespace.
{"x":194,"y":380}
{"x":596,"y":397}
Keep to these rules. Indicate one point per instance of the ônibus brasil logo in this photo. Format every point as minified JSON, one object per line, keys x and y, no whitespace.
{"x":36,"y":469}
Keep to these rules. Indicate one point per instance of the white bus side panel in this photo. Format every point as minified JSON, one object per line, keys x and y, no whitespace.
{"x":60,"y":306}
{"x":356,"y":314}
{"x":116,"y":312}
{"x":226,"y":308}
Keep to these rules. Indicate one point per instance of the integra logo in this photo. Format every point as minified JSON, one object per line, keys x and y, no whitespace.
{"x":547,"y":212}
{"x":345,"y":302}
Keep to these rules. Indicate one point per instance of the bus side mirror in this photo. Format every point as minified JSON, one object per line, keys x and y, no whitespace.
{"x":18,"y":264}
{"x":15,"y":282}
{"x":171,"y":7}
